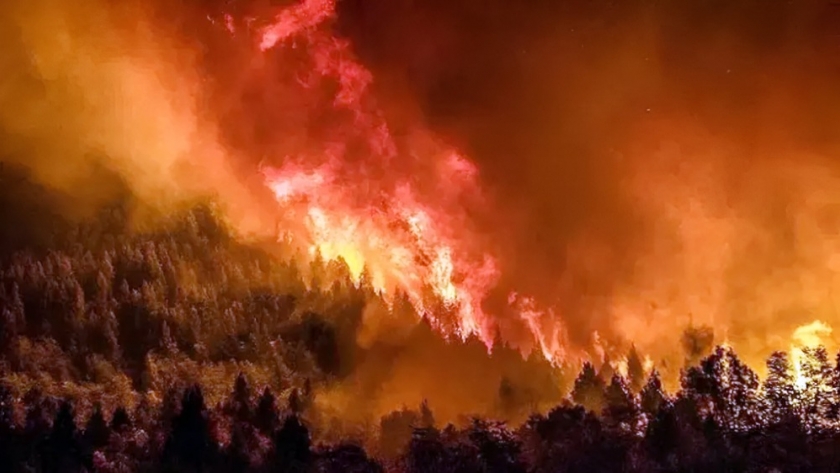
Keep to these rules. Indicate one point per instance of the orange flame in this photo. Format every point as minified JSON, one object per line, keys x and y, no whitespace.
{"x":410,"y":236}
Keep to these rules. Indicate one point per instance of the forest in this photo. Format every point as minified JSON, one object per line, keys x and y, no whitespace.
{"x":180,"y":348}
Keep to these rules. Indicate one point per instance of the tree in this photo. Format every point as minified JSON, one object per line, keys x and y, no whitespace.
{"x":190,"y":443}
{"x":620,"y":411}
{"x":779,"y":388}
{"x":396,"y":429}
{"x":237,"y":455}
{"x":663,"y":436}
{"x":498,"y":450}
{"x":347,"y":458}
{"x":239,"y":403}
{"x":266,"y":415}
{"x":589,"y":389}
{"x":652,"y":396}
{"x":696,"y":342}
{"x":426,"y":452}
{"x":120,"y":421}
{"x":635,"y":371}
{"x":815,"y":395}
{"x":427,"y":418}
{"x":96,"y":430}
{"x":62,"y":448}
{"x":292,"y":447}
{"x":727,"y":386}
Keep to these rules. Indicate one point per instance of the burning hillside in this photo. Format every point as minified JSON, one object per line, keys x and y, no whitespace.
{"x":565,"y":191}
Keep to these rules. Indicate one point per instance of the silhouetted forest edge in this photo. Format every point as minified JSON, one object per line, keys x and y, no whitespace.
{"x":182,"y":349}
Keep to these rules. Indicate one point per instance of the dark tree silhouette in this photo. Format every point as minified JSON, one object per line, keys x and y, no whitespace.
{"x":266,"y":417}
{"x":190,"y":445}
{"x":779,"y":389}
{"x":589,"y":389}
{"x":292,"y":447}
{"x":239,"y":404}
{"x":621,"y":411}
{"x":347,"y":458}
{"x":120,"y":421}
{"x":62,"y":452}
{"x":96,"y":430}
{"x":635,"y":371}
{"x":652,"y":396}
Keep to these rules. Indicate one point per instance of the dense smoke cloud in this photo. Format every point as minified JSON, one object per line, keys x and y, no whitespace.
{"x":97,"y":97}
{"x":656,"y":164}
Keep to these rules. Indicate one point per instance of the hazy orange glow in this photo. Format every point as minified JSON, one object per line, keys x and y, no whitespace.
{"x":636,"y":222}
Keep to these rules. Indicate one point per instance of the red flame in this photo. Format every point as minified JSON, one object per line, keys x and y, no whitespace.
{"x":412,"y":234}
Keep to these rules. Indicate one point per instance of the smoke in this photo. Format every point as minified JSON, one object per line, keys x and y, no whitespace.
{"x":655,"y":166}
{"x":99,"y":96}
{"x":647,"y":167}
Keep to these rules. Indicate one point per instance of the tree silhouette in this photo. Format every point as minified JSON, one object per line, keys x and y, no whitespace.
{"x":635,"y":371}
{"x":815,"y":396}
{"x":190,"y":445}
{"x":727,"y":386}
{"x":589,"y":389}
{"x":621,"y":411}
{"x":292,"y":447}
{"x":652,"y":396}
{"x":347,"y":458}
{"x":62,"y":451}
{"x":120,"y":421}
{"x":239,"y":403}
{"x":96,"y":430}
{"x":267,"y":416}
{"x":779,"y":388}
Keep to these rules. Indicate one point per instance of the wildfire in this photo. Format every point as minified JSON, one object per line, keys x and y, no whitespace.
{"x":374,"y":217}
{"x":393,"y":209}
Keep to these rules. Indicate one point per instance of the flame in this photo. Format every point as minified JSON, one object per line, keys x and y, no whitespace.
{"x":374,"y":218}
{"x":378,"y":216}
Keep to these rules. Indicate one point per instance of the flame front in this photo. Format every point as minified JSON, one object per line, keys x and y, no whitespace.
{"x":375,"y":216}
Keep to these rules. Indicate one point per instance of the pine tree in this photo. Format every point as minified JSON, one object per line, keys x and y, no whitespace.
{"x":239,"y":404}
{"x":427,"y":418}
{"x":652,"y":397}
{"x":62,"y":448}
{"x":815,"y":395}
{"x":635,"y":371}
{"x":620,"y":410}
{"x":190,"y":442}
{"x":779,"y":388}
{"x":292,"y":447}
{"x":96,"y":430}
{"x":266,"y":417}
{"x":120,"y":421}
{"x":834,"y":391}
{"x":589,"y":389}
